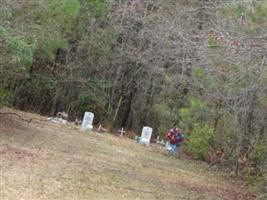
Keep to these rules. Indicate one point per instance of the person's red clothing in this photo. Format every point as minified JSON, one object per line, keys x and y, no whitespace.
{"x":171,"y":137}
{"x":174,"y":136}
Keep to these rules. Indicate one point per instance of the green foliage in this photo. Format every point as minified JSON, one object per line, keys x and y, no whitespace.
{"x":206,"y":80}
{"x":53,"y":26}
{"x":162,"y":110}
{"x":236,"y":10}
{"x":239,"y":10}
{"x":47,"y":24}
{"x":260,"y":13}
{"x":17,"y":47}
{"x":91,"y":11}
{"x":100,"y":7}
{"x":89,"y":50}
{"x":5,"y":97}
{"x":164,"y":117}
{"x":46,"y":27}
{"x":92,"y":96}
{"x":193,"y":114}
{"x":259,"y":185}
{"x":7,"y":14}
{"x":2,"y":97}
{"x":49,"y":83}
{"x":96,"y":9}
{"x":249,"y":29}
{"x":195,"y":120}
{"x":265,"y":76}
{"x":200,"y":141}
{"x":212,"y":42}
{"x":185,"y":115}
{"x":227,"y":131}
{"x":259,"y":152}
{"x":103,"y":46}
{"x":196,"y":104}
{"x":68,"y":8}
{"x":199,"y":72}
{"x":254,"y":17}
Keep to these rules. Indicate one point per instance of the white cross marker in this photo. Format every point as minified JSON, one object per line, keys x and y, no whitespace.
{"x":122,"y":131}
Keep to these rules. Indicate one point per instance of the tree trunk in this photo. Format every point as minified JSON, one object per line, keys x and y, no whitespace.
{"x":218,"y":116}
{"x":117,"y":109}
{"x":55,"y":101}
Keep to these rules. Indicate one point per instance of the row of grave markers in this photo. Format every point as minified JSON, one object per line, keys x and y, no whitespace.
{"x":87,"y":125}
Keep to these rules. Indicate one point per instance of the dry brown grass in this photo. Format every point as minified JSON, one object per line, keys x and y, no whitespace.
{"x":44,"y":160}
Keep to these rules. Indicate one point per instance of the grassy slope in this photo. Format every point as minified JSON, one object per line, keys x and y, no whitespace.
{"x":44,"y":160}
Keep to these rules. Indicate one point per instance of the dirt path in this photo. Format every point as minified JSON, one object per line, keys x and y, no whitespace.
{"x":44,"y":160}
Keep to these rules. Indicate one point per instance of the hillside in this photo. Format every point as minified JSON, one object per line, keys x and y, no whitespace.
{"x":43,"y":160}
{"x":198,"y":65}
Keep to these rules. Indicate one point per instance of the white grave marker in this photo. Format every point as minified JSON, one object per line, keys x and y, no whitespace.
{"x":161,"y":142}
{"x":146,"y":135}
{"x":87,"y":124}
{"x":122,"y":131}
{"x":168,"y":146}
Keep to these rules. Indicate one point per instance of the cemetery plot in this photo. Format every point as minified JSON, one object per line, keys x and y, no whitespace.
{"x":43,"y":160}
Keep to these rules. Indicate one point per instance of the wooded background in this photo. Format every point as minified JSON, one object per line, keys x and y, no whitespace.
{"x":198,"y":63}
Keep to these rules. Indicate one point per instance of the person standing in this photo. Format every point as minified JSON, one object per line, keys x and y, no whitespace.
{"x":174,"y":138}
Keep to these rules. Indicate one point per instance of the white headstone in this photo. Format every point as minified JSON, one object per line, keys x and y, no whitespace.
{"x":87,"y":124}
{"x":146,"y":135}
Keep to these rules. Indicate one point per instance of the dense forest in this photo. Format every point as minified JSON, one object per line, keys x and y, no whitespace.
{"x":199,"y":63}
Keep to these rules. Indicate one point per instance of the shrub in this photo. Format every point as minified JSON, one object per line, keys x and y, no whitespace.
{"x":200,"y":141}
